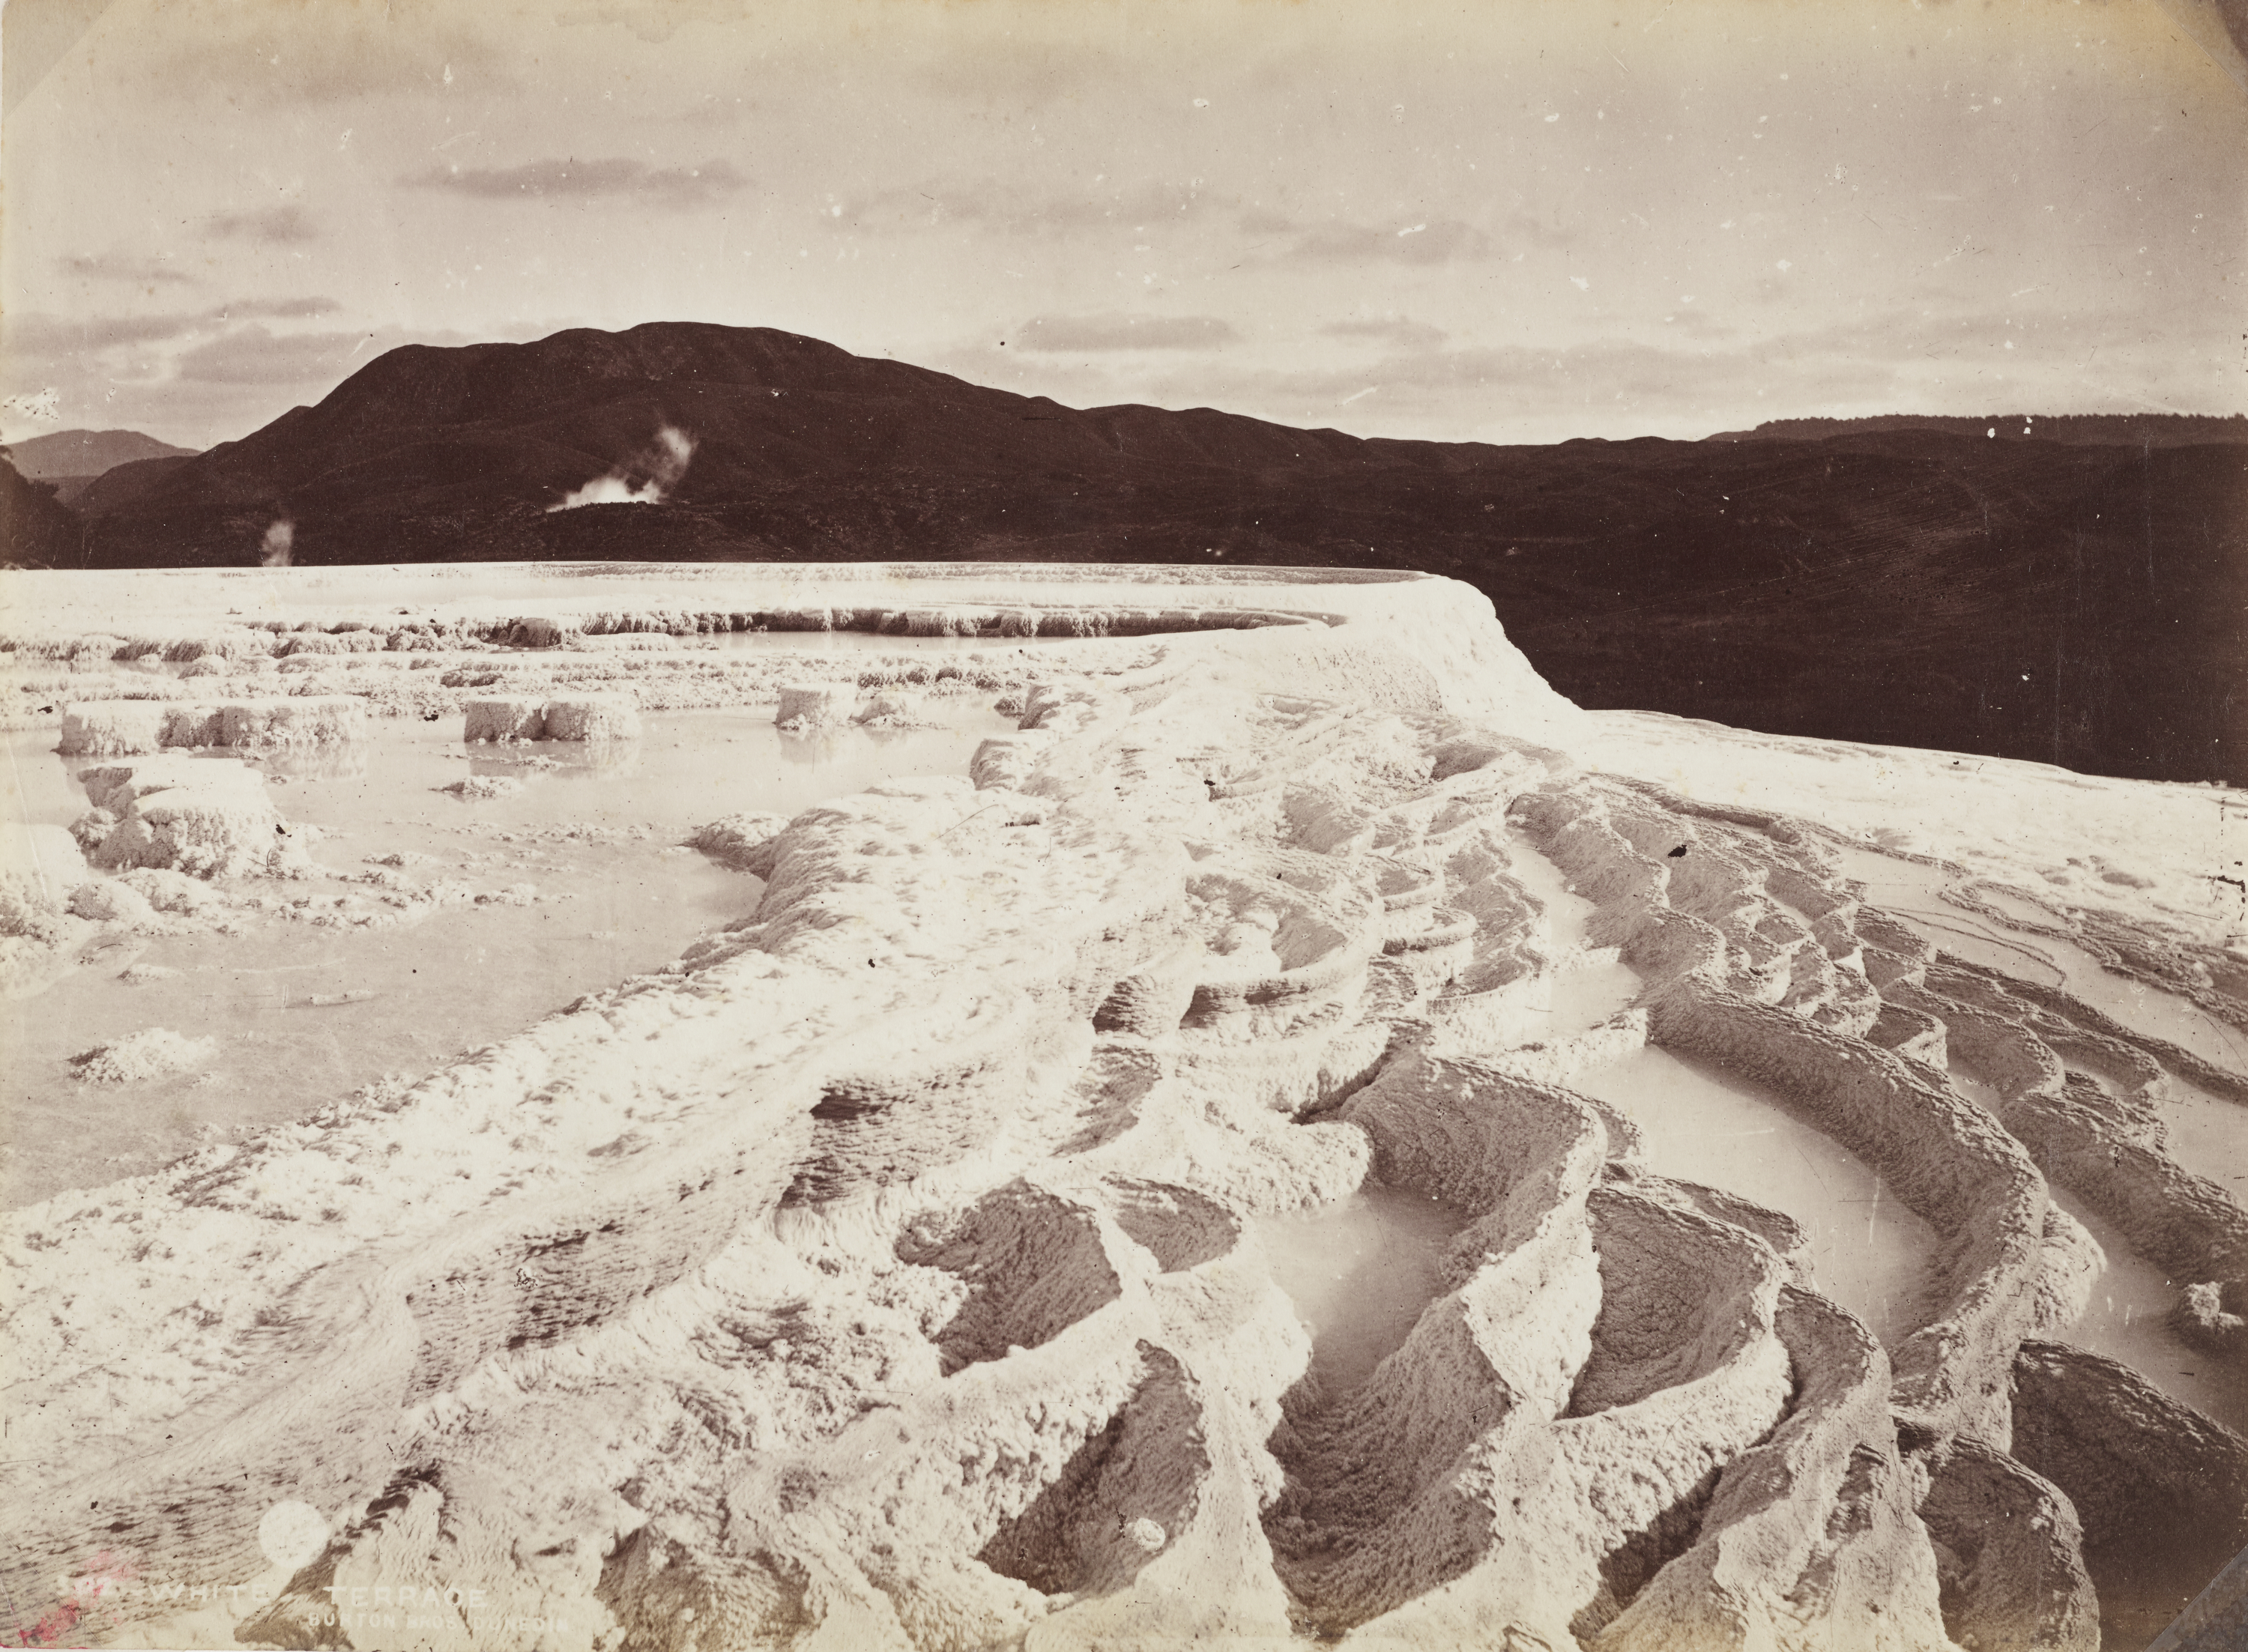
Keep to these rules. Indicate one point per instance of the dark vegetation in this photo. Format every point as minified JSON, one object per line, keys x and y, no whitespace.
{"x":2077,"y":601}
{"x":38,"y":530}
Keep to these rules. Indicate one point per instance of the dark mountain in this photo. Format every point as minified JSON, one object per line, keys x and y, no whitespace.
{"x":2073,"y":604}
{"x":85,"y":453}
{"x":119,"y":486}
{"x":36,"y":530}
{"x":2076,"y":429}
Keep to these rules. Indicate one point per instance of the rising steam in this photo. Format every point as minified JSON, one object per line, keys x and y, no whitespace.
{"x":663,"y":465}
{"x":274,"y":552}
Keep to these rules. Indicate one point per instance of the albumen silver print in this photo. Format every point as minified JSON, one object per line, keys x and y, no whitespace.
{"x":1067,"y":825}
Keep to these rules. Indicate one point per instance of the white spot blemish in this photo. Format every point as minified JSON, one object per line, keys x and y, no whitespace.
{"x":292,"y":1534}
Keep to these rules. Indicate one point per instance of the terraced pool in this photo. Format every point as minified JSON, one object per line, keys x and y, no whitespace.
{"x":506,"y":909}
{"x":1701,"y":1123}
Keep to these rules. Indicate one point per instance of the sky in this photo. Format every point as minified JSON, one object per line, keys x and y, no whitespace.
{"x":1513,"y":221}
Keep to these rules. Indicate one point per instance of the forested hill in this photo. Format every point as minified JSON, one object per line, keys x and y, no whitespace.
{"x":2077,"y":603}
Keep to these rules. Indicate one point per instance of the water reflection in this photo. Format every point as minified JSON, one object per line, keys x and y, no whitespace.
{"x":1699,"y":1122}
{"x":1360,"y":1271}
{"x":307,"y":1012}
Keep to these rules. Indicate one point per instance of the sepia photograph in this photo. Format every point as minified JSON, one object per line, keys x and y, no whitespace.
{"x":1117,"y":826}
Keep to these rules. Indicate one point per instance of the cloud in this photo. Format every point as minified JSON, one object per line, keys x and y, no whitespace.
{"x":1404,"y":335}
{"x":267,"y":226}
{"x":567,"y":177}
{"x":1523,"y":230}
{"x":118,"y":266}
{"x":1116,"y":329}
{"x":655,"y":23}
{"x":1432,"y":241}
{"x":238,"y":379}
{"x":1610,"y":364}
{"x":1009,"y":207}
{"x":31,"y":334}
{"x":1688,"y":377}
{"x":1693,"y":324}
{"x":255,"y":355}
{"x":331,"y":51}
{"x":277,"y":309}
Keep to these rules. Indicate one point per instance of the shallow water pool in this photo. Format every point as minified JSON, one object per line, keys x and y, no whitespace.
{"x":2128,"y":1318}
{"x":1701,"y":1123}
{"x":687,"y":768}
{"x":584,"y":884}
{"x":1360,"y":1271}
{"x":2206,"y":1133}
{"x":868,"y":642}
{"x":1913,"y":893}
{"x":1590,"y":984}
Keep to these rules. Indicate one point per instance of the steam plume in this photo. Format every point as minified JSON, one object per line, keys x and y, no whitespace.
{"x":274,"y":551}
{"x":663,"y":465}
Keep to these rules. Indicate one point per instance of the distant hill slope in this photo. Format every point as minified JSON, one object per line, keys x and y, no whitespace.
{"x":2079,"y":604}
{"x":85,"y":453}
{"x":117,"y":486}
{"x":2075,"y":429}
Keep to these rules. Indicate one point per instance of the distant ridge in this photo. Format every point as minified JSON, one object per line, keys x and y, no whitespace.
{"x":85,"y":453}
{"x":2076,"y":604}
{"x":2074,"y":429}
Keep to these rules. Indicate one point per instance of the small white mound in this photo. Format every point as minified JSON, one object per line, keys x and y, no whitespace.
{"x":743,"y":841}
{"x":186,"y":814}
{"x":509,"y":719}
{"x":577,"y":716}
{"x":478,"y":786}
{"x":105,"y":900}
{"x":307,"y":720}
{"x":112,"y":728}
{"x":169,"y":891}
{"x":592,"y":716}
{"x":155,"y":1053}
{"x":123,"y":728}
{"x":26,"y":909}
{"x":891,"y":709}
{"x":816,"y":705}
